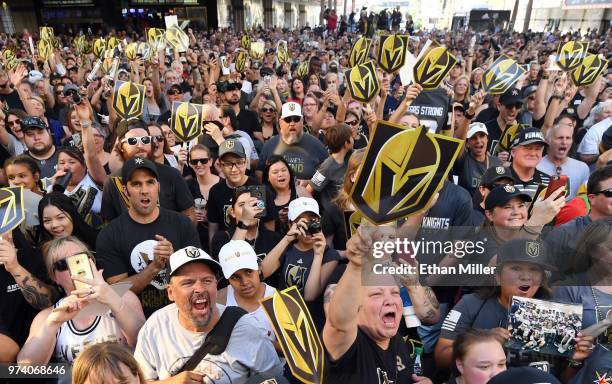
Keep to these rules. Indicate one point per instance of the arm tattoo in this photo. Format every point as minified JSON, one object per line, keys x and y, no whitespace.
{"x":36,"y":293}
{"x":432,"y":297}
{"x":430,"y":315}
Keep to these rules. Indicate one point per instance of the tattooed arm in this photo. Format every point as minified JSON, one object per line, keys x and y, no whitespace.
{"x":38,"y":294}
{"x":425,"y":303}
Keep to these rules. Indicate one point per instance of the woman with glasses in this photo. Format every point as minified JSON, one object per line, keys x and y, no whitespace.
{"x":201,"y":162}
{"x":268,"y":116}
{"x":58,"y":333}
{"x":13,"y":138}
{"x":162,"y":153}
{"x":353,"y":120}
{"x":310,"y":107}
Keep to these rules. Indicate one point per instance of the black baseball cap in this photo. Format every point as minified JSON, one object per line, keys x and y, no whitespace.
{"x":569,"y":112}
{"x":511,"y":97}
{"x":526,"y":251}
{"x":70,"y":87}
{"x":528,"y":136}
{"x":524,"y":375}
{"x":493,"y":174}
{"x":501,"y":195}
{"x":33,"y":122}
{"x":137,"y":163}
{"x":233,"y":146}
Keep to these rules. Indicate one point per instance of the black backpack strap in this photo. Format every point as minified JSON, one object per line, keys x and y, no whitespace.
{"x":216,"y":341}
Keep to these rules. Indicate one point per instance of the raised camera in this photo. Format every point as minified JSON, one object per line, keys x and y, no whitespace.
{"x":313,"y":227}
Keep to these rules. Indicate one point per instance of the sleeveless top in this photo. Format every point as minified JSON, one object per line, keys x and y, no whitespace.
{"x":259,"y":313}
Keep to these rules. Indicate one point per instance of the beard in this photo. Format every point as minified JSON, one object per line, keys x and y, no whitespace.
{"x":198,"y":321}
{"x":42,"y":151}
{"x":294,"y":139}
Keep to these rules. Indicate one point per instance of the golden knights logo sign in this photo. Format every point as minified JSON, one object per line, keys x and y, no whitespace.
{"x":391,"y":183}
{"x":571,"y":54}
{"x":363,"y":82}
{"x":11,"y":208}
{"x":128,"y":99}
{"x":296,"y":334}
{"x":502,"y":75}
{"x":432,"y":65}
{"x":186,"y":120}
{"x":588,"y":71}
{"x":241,"y":60}
{"x":392,"y":52}
{"x":359,"y":53}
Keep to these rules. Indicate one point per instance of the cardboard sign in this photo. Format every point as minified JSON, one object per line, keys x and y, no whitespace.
{"x":45,"y":49}
{"x":502,"y":75}
{"x":362,"y":82}
{"x":257,"y":50}
{"x":392,"y":51}
{"x":432,"y":65}
{"x":302,"y":69}
{"x":589,"y":70}
{"x":392,"y":184}
{"x":282,"y":52}
{"x":352,"y":221}
{"x":177,"y":38}
{"x":296,"y":334}
{"x":245,"y":42}
{"x":11,"y":208}
{"x":130,"y":51}
{"x":359,"y":52}
{"x":505,"y":142}
{"x":186,"y":120}
{"x":155,"y":37}
{"x":46,"y":33}
{"x":99,"y":47}
{"x":241,"y":60}
{"x":144,"y":51}
{"x":571,"y":54}
{"x":128,"y":99}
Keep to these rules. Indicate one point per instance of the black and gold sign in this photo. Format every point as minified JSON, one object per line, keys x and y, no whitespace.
{"x":241,"y":60}
{"x":282,"y":52}
{"x":571,"y":54}
{"x":502,"y":75}
{"x":359,"y":52}
{"x":45,"y":49}
{"x":8,"y":55}
{"x":245,"y":42}
{"x":392,"y":52}
{"x":144,"y":50}
{"x":186,"y":120}
{"x":257,"y":50}
{"x":128,"y":99}
{"x":505,"y":142}
{"x":11,"y":64}
{"x":130,"y":51}
{"x":432,"y":65}
{"x":112,"y":43}
{"x":155,"y":37}
{"x":391,"y":183}
{"x":363,"y":81}
{"x":177,"y":38}
{"x":352,"y":221}
{"x":79,"y":44}
{"x":296,"y":334}
{"x":99,"y":47}
{"x":587,"y":72}
{"x":11,"y":208}
{"x":46,"y":33}
{"x":302,"y":69}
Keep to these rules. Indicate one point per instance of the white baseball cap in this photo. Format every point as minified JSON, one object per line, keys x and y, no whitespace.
{"x":291,"y":109}
{"x":301,"y":205}
{"x":475,"y":128}
{"x":189,"y":254}
{"x":237,"y":255}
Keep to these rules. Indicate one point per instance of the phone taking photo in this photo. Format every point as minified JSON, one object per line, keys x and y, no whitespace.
{"x":79,"y":266}
{"x":259,"y":192}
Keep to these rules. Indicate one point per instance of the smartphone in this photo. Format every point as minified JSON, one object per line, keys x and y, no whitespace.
{"x":259,"y":192}
{"x":557,"y":182}
{"x":79,"y":266}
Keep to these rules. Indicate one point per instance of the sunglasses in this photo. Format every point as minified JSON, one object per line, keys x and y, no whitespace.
{"x":266,"y":110}
{"x":14,"y":122}
{"x":292,"y":119}
{"x":195,"y":162}
{"x":60,"y":265}
{"x":606,"y":193}
{"x":144,"y":140}
{"x":158,"y":138}
{"x":353,"y":123}
{"x":175,"y":92}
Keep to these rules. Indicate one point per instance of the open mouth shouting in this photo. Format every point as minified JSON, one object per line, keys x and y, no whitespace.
{"x":390,"y":318}
{"x":200,"y":304}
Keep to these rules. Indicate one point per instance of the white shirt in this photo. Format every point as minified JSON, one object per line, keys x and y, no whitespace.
{"x":86,"y":182}
{"x":590,"y":142}
{"x":577,"y":171}
{"x":164,"y":346}
{"x":259,"y":313}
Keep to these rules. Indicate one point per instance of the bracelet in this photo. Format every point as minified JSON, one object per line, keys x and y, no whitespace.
{"x":86,"y":124}
{"x":468,"y":116}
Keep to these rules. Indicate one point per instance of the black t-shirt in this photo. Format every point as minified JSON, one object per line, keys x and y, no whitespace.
{"x":174,"y":193}
{"x":16,"y":311}
{"x":470,"y":170}
{"x":123,"y":244}
{"x":248,"y":122}
{"x":303,"y":157}
{"x":327,"y":181}
{"x":13,"y":100}
{"x":47,"y":166}
{"x":220,"y":201}
{"x":495,"y":134}
{"x":332,"y":223}
{"x":487,"y":115}
{"x":263,"y":244}
{"x":365,"y":362}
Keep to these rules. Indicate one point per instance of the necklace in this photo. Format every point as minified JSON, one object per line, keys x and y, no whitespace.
{"x":599,"y":318}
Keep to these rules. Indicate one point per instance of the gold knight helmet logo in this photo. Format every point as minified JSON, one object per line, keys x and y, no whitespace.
{"x":282,"y":53}
{"x":502,"y":75}
{"x":588,"y":71}
{"x":393,"y":183}
{"x":392,"y":52}
{"x":571,"y":55}
{"x":177,"y":38}
{"x":99,"y":46}
{"x":185,"y":121}
{"x":363,"y":82}
{"x":297,"y":334}
{"x":128,"y":99}
{"x":433,"y":67}
{"x":302,"y":69}
{"x":241,"y":59}
{"x":359,"y":53}
{"x":192,"y":252}
{"x":245,"y":42}
{"x":11,"y":208}
{"x":144,"y":50}
{"x":532,"y":248}
{"x":130,"y":51}
{"x":44,"y":49}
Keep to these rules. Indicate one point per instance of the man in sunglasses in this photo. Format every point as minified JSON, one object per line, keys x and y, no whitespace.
{"x":39,"y":141}
{"x":303,"y":152}
{"x":248,"y":121}
{"x":509,"y":106}
{"x":174,"y":93}
{"x":136,"y":245}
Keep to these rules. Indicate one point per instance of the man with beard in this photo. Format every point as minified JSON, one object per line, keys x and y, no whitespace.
{"x":527,"y":151}
{"x":509,"y":105}
{"x":557,"y":160}
{"x":37,"y":138}
{"x":303,"y":152}
{"x":174,"y":333}
{"x":248,"y":121}
{"x":135,"y":246}
{"x":475,"y":160}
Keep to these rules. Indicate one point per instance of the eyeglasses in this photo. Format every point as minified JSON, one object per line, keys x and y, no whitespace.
{"x":195,"y":162}
{"x":605,"y":192}
{"x":292,"y":119}
{"x":14,"y":122}
{"x":266,"y":110}
{"x":144,"y":140}
{"x":229,"y":165}
{"x":158,"y":138}
{"x":353,"y":123}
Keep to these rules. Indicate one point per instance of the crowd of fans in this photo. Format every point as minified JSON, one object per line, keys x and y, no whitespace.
{"x":185,"y":226}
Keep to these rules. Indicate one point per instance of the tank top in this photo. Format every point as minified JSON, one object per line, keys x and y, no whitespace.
{"x":259,"y":313}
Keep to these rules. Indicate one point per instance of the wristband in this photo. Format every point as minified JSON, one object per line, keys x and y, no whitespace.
{"x":85,"y":123}
{"x":468,"y":116}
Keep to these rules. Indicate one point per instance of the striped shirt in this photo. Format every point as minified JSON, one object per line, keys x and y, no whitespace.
{"x":530,"y":186}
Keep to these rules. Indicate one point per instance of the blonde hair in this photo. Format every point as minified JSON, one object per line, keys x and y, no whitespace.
{"x":53,"y":247}
{"x":101,"y":361}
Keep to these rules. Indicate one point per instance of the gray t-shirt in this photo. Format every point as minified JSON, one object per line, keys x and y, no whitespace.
{"x":303,"y":157}
{"x":470,"y":170}
{"x":164,"y":346}
{"x":576,"y":170}
{"x":584,"y":295}
{"x":328,"y":180}
{"x":473,"y":312}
